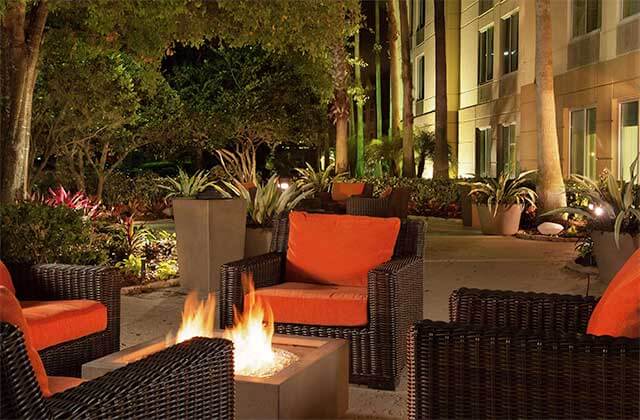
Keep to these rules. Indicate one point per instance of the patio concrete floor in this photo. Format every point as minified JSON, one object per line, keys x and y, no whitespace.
{"x":455,"y":257}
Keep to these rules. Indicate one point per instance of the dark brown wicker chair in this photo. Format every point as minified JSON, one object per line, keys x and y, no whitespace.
{"x":330,"y":205}
{"x":520,"y":355}
{"x":193,"y":379}
{"x":395,"y":205}
{"x":61,"y":282}
{"x":395,"y":302}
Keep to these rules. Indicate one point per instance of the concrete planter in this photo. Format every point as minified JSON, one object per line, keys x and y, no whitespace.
{"x":209,"y":233}
{"x":257,"y":241}
{"x":609,"y":258}
{"x":466,"y":204}
{"x":475,"y":218}
{"x":505,"y":222}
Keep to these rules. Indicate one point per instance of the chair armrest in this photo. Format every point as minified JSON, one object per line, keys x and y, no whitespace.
{"x":522,"y":310}
{"x":467,"y":371}
{"x":395,"y":303}
{"x":267,"y":271}
{"x":364,"y":206}
{"x":193,"y":379}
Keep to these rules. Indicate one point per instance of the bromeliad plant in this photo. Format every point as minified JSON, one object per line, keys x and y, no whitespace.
{"x":77,"y":201}
{"x":269,"y":200}
{"x":607,"y":204}
{"x":504,"y":191}
{"x":185,"y":185}
{"x":318,"y":181}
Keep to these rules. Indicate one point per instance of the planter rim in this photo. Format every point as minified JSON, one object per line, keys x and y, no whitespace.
{"x":203,"y":199}
{"x":508,"y":206}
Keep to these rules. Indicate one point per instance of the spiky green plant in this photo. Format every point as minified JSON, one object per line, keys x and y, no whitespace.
{"x":185,"y":185}
{"x":317,"y":181}
{"x":503,"y":191}
{"x":607,"y":201}
{"x":269,"y":200}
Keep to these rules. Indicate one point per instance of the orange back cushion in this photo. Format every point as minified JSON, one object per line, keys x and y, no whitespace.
{"x":5,"y":278}
{"x":618,"y":312}
{"x":11,"y":312}
{"x":340,"y":191}
{"x":338,"y":249}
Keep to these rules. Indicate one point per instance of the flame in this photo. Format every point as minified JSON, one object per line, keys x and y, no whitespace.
{"x":252,"y":333}
{"x":198,"y":319}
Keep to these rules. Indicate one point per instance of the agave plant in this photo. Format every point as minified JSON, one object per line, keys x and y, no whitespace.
{"x":185,"y":185}
{"x":317,"y":181}
{"x":607,"y":201}
{"x":269,"y":200}
{"x":503,"y":191}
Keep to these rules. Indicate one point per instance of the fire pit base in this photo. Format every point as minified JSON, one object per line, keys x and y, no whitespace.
{"x":316,"y":386}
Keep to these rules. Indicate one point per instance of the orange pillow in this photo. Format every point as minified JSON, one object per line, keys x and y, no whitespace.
{"x":338,"y":249}
{"x":618,"y":312}
{"x":11,"y":312}
{"x":5,"y":278}
{"x":340,"y":191}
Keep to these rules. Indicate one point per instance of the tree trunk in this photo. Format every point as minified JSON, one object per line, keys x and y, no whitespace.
{"x":342,"y":143}
{"x":20,"y":39}
{"x":550,"y":185}
{"x":359,"y":111}
{"x":394,"y":67}
{"x":340,"y":73}
{"x":408,"y":159}
{"x":422,"y":157}
{"x":377,"y":47}
{"x":441,"y":158}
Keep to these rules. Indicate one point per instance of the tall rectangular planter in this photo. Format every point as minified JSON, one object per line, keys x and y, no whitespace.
{"x":257,"y":241}
{"x":209,"y":233}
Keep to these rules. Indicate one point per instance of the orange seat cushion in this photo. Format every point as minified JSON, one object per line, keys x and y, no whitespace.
{"x":315,"y":304}
{"x":338,"y":249}
{"x":618,"y":312}
{"x":58,"y":321}
{"x":340,"y":191}
{"x":62,"y":383}
{"x":10,"y":312}
{"x":5,"y":278}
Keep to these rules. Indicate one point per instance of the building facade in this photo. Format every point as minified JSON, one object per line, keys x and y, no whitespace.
{"x":491,"y":83}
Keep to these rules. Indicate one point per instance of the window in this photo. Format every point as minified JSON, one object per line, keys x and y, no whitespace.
{"x":583,"y":142}
{"x":420,"y":76}
{"x":630,"y":8}
{"x":484,"y":153}
{"x":510,"y":44}
{"x":509,"y":151}
{"x":421,"y":13}
{"x":629,"y":137}
{"x":485,"y":55}
{"x":485,"y":5}
{"x":586,"y":16}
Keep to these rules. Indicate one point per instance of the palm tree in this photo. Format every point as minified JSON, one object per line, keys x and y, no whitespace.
{"x":359,"y":98}
{"x":395,"y":78}
{"x":551,"y":191}
{"x":340,"y":75}
{"x":408,"y":159}
{"x":441,"y":161}
{"x":377,"y":47}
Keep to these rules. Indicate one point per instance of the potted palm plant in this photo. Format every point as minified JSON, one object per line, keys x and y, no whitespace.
{"x":501,"y":201}
{"x":263,"y":206}
{"x":317,"y":184}
{"x":210,"y":230}
{"x":612,"y":210}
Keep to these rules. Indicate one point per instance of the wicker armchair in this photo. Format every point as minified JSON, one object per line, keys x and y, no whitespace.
{"x":193,"y":379}
{"x":330,"y":205}
{"x":520,"y":355}
{"x":378,"y":349}
{"x":60,"y":282}
{"x":395,"y":205}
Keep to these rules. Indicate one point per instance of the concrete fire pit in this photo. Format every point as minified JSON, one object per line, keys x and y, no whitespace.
{"x":315,"y":386}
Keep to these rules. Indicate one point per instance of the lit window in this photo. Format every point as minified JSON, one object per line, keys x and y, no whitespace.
{"x":586,"y":16}
{"x":510,"y":44}
{"x":483,"y":153}
{"x":485,"y":55}
{"x":420,"y":76}
{"x":630,"y":8}
{"x":629,"y":137}
{"x":583,"y":142}
{"x":509,"y":150}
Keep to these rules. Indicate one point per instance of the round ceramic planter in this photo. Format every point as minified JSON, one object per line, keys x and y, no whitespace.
{"x":609,"y":257}
{"x":506,"y":221}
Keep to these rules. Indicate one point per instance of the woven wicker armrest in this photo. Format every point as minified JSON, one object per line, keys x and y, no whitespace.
{"x":193,"y":379}
{"x":395,"y":303}
{"x":366,"y":206}
{"x":522,"y":310}
{"x":266,"y":270}
{"x":466,"y":371}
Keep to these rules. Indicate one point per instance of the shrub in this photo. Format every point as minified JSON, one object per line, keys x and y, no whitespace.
{"x":34,"y":233}
{"x":429,"y":197}
{"x":138,"y":194}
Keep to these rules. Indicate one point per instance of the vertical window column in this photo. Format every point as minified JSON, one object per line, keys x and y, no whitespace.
{"x":629,"y":146}
{"x":510,"y":44}
{"x":583,"y":142}
{"x":485,"y":55}
{"x":484,"y":153}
